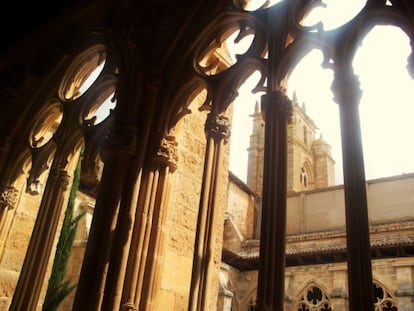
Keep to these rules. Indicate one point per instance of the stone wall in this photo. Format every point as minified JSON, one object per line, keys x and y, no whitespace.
{"x":183,"y":212}
{"x":389,"y":200}
{"x":22,"y":221}
{"x":394,"y":276}
{"x":323,"y":211}
{"x":241,"y":210}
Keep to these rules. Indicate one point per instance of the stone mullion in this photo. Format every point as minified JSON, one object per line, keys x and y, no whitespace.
{"x":118,"y":261}
{"x":33,"y":272}
{"x":137,"y":243}
{"x":165,"y":163}
{"x":347,"y":94}
{"x":277,"y":108}
{"x":143,"y":250}
{"x":152,"y":278}
{"x":146,"y":237}
{"x":119,"y":147}
{"x":122,"y":236}
{"x":217,"y":131}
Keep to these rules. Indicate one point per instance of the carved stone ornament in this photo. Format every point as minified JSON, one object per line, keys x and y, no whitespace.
{"x":167,"y":152}
{"x":218,"y":126}
{"x":278,"y":101}
{"x":33,"y":186}
{"x":8,"y":197}
{"x":120,"y":140}
{"x":60,"y":177}
{"x":129,"y":307}
{"x":346,"y":87}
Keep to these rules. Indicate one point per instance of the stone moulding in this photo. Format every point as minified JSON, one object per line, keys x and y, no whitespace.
{"x":387,"y":240}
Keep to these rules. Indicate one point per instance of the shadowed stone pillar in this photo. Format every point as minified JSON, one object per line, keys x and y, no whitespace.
{"x":142,"y":274}
{"x":4,"y":150}
{"x":217,"y":130}
{"x":347,"y":94}
{"x":120,"y":145}
{"x":270,"y":294}
{"x":122,"y":234}
{"x":33,"y":272}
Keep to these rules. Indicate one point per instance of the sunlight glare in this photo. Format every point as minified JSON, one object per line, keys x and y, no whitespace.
{"x":334,"y":14}
{"x":385,"y":111}
{"x":238,"y":48}
{"x":253,"y":5}
{"x":312,"y":85}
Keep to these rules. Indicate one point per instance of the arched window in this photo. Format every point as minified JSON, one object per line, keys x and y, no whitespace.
{"x":303,"y":177}
{"x":313,"y":298}
{"x":383,"y":300}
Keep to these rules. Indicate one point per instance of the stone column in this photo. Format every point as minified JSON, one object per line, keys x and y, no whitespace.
{"x":347,"y":95}
{"x":142,"y":274}
{"x":270,"y":294}
{"x":117,"y":151}
{"x":217,"y":130}
{"x":123,"y":233}
{"x":33,"y":272}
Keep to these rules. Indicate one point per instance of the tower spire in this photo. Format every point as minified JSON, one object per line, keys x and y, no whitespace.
{"x":294,"y":98}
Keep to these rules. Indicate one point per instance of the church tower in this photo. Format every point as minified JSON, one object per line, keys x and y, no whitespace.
{"x":255,"y":152}
{"x":310,"y":164}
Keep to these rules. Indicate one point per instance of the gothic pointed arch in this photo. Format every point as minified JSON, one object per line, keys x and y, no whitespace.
{"x":384,"y":300}
{"x":306,"y":178}
{"x":313,"y":297}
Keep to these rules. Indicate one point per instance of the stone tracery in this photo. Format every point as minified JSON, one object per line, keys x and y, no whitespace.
{"x":124,"y":148}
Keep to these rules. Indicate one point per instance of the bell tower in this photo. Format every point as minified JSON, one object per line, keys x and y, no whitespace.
{"x":256,"y":152}
{"x":309,"y":161}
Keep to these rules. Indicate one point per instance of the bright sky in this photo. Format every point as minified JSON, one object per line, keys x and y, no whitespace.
{"x":386,"y":110}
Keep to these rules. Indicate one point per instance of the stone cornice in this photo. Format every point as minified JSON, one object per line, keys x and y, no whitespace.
{"x":323,"y":247}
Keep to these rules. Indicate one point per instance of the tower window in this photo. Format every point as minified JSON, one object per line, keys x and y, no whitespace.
{"x":303,"y":177}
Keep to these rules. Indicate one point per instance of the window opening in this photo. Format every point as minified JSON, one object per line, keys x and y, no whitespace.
{"x":320,"y":108}
{"x":82,"y":73}
{"x":253,"y":5}
{"x":383,"y":299}
{"x":313,"y":298}
{"x":333,"y":13}
{"x":385,"y":128}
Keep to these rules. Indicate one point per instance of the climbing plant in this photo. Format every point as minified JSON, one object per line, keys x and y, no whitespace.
{"x":58,"y":288}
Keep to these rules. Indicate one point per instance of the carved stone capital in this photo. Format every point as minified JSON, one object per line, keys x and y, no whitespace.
{"x":167,"y":152}
{"x":60,"y":177}
{"x":120,"y":140}
{"x":129,"y":306}
{"x":277,"y":101}
{"x":218,"y":127}
{"x":33,"y":186}
{"x":8,"y":197}
{"x":346,"y":87}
